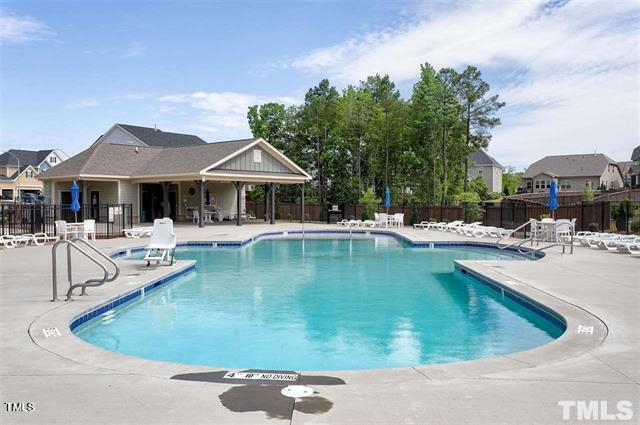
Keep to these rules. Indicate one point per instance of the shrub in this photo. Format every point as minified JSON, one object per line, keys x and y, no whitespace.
{"x":307,"y":217}
{"x":474,"y":212}
{"x":622,"y":212}
{"x":369,"y":204}
{"x":635,"y":226}
{"x":593,"y":227}
{"x":587,"y":194}
{"x":465,"y":197}
{"x":289,"y":216}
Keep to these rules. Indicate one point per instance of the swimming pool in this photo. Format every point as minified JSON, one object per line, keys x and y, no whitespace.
{"x":322,"y":304}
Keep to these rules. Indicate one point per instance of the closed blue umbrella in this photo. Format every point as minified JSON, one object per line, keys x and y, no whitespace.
{"x":553,"y":196}
{"x":75,"y":199}
{"x":387,"y":199}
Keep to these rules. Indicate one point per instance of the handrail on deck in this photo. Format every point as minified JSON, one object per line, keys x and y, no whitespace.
{"x":90,"y":282}
{"x":535,"y":237}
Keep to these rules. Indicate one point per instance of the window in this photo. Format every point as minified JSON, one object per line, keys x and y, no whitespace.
{"x":29,"y":174}
{"x":538,"y":184}
{"x":529,"y":184}
{"x":480,"y":171}
{"x":53,"y":159}
{"x":565,"y":184}
{"x":588,"y":184}
{"x":257,"y":155}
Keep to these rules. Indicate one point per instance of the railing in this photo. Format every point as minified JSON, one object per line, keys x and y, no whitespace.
{"x":87,"y":283}
{"x":536,"y":236}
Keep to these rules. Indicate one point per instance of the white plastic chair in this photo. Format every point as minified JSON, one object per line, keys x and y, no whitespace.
{"x":89,"y":227}
{"x":384,"y":220}
{"x":196,"y":216}
{"x":163,"y":242}
{"x":61,"y":229}
{"x":398,"y":219}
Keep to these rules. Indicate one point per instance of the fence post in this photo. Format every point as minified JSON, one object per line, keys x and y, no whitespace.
{"x":626,"y":215}
{"x":581,"y":215}
{"x":526,"y":218}
{"x":602,"y":215}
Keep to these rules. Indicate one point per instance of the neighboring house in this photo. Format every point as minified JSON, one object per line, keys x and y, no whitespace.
{"x":633,"y":172}
{"x":164,"y":174}
{"x":573,"y":173}
{"x":18,"y":170}
{"x":624,"y":170}
{"x":481,"y":164}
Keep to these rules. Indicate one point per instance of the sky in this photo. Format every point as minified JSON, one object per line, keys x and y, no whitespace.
{"x":569,"y":71}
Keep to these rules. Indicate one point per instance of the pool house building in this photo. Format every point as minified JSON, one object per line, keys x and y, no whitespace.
{"x":164,"y":174}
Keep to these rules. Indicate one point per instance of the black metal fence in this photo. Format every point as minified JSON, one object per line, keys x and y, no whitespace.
{"x":621,"y":217}
{"x":18,"y":219}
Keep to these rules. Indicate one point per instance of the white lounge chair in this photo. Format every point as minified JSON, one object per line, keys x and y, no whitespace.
{"x":452,"y":227}
{"x":6,"y":241}
{"x":138,"y":232}
{"x":343,"y":222}
{"x":40,"y":238}
{"x":368,"y":223}
{"x":630,"y":246}
{"x":163,"y":242}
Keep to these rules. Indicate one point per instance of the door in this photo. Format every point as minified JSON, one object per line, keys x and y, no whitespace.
{"x":95,"y":205}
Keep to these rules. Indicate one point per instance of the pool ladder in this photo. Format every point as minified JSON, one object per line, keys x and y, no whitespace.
{"x":75,"y":244}
{"x":536,"y":237}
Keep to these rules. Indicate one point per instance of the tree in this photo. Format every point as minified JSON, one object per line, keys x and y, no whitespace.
{"x":511,"y":181}
{"x":369,"y":204}
{"x":269,"y":122}
{"x":478,"y":111}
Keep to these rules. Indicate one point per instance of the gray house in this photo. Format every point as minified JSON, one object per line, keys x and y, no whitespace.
{"x":573,"y":173}
{"x":633,"y":172}
{"x":481,"y":164}
{"x":173,"y":175}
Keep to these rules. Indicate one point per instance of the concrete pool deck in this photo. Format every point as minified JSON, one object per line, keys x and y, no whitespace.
{"x":70,"y":381}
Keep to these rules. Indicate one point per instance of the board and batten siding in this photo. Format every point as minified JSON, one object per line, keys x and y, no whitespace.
{"x":245,"y":162}
{"x":129,"y":194}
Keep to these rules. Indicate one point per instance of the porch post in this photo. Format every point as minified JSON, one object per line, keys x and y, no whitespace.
{"x":166,"y":206}
{"x":238,"y":186}
{"x":266,"y":201}
{"x":201,"y":206}
{"x":273,"y":203}
{"x":85,"y":199}
{"x":302,"y":203}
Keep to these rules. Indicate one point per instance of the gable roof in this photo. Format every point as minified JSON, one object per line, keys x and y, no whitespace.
{"x":26,"y":157}
{"x":582,"y":165}
{"x":161,"y":139}
{"x":624,"y":166}
{"x":482,"y":158}
{"x":635,"y":155}
{"x":129,"y":161}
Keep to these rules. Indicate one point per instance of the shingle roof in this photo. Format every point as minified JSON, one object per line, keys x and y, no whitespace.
{"x":106,"y":159}
{"x":26,"y":157}
{"x":624,"y":166}
{"x":161,"y":139}
{"x":482,"y":158}
{"x":582,"y":165}
{"x":635,"y":155}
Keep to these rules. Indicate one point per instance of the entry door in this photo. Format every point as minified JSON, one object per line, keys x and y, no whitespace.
{"x":95,"y":205}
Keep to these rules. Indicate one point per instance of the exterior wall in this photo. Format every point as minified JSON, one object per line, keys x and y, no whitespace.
{"x":28,"y":183}
{"x":117,"y":135}
{"x":491,"y":175}
{"x":47,"y":191}
{"x":223,"y":196}
{"x":8,"y":170}
{"x":611,"y":177}
{"x":245,"y":162}
{"x":130,"y":194}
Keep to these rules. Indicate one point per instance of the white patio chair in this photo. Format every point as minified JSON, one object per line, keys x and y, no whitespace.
{"x":398,"y":219}
{"x":384,"y":220}
{"x":61,"y":229}
{"x":195,"y":216}
{"x":163,"y":242}
{"x":89,"y":229}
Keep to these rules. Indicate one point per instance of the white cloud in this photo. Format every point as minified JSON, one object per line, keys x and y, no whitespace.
{"x":20,"y":29}
{"x":218,"y":114}
{"x":134,"y":50}
{"x":569,"y":72}
{"x":82,"y":104}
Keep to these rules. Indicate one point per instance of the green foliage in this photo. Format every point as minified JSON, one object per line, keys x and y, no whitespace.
{"x":307,"y":217}
{"x":593,"y":227}
{"x":464,"y":197}
{"x":622,"y":212}
{"x":587,"y":194}
{"x":479,"y":186}
{"x":474,"y":212}
{"x":369,"y":204}
{"x":511,"y":181}
{"x":635,"y":226}
{"x":368,"y":136}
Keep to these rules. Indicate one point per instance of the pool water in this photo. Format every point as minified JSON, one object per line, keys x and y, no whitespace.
{"x":322,"y":304}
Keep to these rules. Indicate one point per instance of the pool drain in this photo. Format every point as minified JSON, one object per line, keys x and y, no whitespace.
{"x":297,"y":391}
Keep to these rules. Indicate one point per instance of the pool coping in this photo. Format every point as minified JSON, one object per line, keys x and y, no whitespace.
{"x":568,"y":345}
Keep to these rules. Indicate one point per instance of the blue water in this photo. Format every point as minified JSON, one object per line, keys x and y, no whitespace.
{"x":322,"y":305}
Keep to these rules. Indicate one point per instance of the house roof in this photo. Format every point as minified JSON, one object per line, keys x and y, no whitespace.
{"x":482,"y":158}
{"x":161,"y":139}
{"x":634,"y":169}
{"x":26,"y":157}
{"x":635,"y":155}
{"x":128,"y":161}
{"x":582,"y":165}
{"x":624,"y":166}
